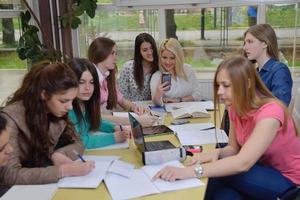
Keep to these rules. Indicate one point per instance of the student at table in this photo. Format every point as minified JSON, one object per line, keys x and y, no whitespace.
{"x":253,"y":165}
{"x":134,"y":81}
{"x":260,"y":46}
{"x":184,"y":85}
{"x":86,"y":115}
{"x":102,"y":53}
{"x":5,"y":148}
{"x":41,"y":135}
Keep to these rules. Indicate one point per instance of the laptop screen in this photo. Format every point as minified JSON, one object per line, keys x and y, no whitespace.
{"x":137,"y":133}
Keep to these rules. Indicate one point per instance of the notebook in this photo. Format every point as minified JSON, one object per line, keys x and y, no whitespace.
{"x":139,"y":140}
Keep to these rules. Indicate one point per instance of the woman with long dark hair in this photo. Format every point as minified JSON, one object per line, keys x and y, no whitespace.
{"x":86,"y":115}
{"x":42,"y":137}
{"x":134,"y":81}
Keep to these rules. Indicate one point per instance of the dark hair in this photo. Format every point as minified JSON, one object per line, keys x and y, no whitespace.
{"x":92,"y":106}
{"x":3,"y":123}
{"x":98,"y":51}
{"x":137,"y":64}
{"x":51,"y":78}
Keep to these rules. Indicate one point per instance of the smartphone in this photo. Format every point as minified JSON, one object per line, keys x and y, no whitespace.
{"x":193,"y":148}
{"x":180,"y":121}
{"x":166,"y":77}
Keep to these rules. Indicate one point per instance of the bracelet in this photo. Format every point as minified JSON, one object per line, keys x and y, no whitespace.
{"x":198,"y":170}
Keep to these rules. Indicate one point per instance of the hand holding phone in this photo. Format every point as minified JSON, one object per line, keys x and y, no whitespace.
{"x":166,"y":77}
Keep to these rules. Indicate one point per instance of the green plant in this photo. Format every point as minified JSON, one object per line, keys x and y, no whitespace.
{"x":78,"y":7}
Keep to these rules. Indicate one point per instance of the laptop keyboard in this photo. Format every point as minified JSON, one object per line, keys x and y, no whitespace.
{"x":159,"y":145}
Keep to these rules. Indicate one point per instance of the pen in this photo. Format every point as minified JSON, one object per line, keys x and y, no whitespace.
{"x":121,"y":128}
{"x":209,"y":128}
{"x":78,"y":155}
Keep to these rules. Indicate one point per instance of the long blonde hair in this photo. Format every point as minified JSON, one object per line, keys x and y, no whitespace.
{"x":173,"y":46}
{"x":249,"y":92}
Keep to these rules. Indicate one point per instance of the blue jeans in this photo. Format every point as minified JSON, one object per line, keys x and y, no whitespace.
{"x":259,"y":182}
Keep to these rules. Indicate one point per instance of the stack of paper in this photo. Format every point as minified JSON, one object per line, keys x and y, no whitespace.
{"x":189,"y":112}
{"x":201,"y":133}
{"x":121,"y":187}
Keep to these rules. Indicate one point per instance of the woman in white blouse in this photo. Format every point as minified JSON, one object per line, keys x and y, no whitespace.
{"x":184,"y":85}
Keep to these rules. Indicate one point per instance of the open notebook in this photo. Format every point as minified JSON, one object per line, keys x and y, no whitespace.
{"x":127,"y":188}
{"x":189,"y":112}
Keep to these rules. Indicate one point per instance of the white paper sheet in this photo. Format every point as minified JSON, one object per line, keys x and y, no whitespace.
{"x":121,"y":187}
{"x":32,"y":192}
{"x":194,"y":134}
{"x":121,"y":168}
{"x":208,"y":105}
{"x":164,"y":186}
{"x":123,"y":145}
{"x":91,"y":180}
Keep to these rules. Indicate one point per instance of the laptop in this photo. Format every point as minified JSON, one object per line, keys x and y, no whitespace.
{"x":139,"y":140}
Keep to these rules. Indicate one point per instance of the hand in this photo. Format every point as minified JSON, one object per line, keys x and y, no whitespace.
{"x":139,"y":110}
{"x":162,"y":88}
{"x":170,"y":100}
{"x":76,"y":168}
{"x":172,"y":174}
{"x":205,"y":157}
{"x":59,"y":159}
{"x":147,"y":120}
{"x":121,"y":136}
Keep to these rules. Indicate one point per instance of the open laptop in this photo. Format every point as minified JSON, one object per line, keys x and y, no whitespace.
{"x":139,"y":140}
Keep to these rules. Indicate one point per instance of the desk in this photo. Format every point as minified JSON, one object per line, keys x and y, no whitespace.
{"x":133,"y":156}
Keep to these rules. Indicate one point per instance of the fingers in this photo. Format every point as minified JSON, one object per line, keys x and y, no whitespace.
{"x":167,"y":173}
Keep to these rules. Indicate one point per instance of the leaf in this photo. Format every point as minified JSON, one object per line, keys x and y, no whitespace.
{"x":75,"y":22}
{"x":64,"y":20}
{"x":90,"y":7}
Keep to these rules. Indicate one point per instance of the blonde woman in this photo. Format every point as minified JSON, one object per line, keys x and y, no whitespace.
{"x":183,"y":84}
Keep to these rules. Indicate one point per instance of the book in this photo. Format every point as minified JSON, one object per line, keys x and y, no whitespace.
{"x":121,"y":187}
{"x":190,"y":112}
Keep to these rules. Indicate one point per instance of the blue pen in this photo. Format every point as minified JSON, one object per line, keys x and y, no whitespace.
{"x":78,"y":155}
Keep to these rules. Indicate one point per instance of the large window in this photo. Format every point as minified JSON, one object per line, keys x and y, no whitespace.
{"x":207,"y":34}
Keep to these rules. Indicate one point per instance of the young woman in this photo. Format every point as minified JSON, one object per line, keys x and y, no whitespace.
{"x":134,"y":81}
{"x":41,"y":135}
{"x":260,"y":45}
{"x":184,"y":84}
{"x":5,"y":148}
{"x":262,"y":159}
{"x":103,"y":53}
{"x":86,"y":115}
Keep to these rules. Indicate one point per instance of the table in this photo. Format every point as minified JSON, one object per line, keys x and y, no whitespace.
{"x":132,"y":155}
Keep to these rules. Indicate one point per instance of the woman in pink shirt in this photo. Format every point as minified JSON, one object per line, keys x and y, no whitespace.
{"x":103,"y":53}
{"x":262,"y":158}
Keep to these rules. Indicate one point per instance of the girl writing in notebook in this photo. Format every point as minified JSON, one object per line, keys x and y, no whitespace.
{"x":86,"y":115}
{"x":262,"y":158}
{"x":41,"y":135}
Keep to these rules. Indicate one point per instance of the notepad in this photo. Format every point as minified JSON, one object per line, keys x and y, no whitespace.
{"x":91,"y":180}
{"x":207,"y":105}
{"x":140,"y":183}
{"x":32,"y":192}
{"x":189,"y":112}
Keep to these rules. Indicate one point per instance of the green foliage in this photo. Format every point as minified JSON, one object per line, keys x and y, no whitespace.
{"x":10,"y":60}
{"x":78,"y":8}
{"x":30,"y":46}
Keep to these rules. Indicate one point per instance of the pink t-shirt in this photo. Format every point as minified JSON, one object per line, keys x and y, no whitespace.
{"x":283,"y":153}
{"x":104,"y":89}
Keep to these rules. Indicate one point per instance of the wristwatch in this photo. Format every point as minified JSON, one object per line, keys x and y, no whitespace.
{"x":198,"y":170}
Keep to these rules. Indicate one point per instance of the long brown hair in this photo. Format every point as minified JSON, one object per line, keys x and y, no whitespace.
{"x":265,"y":33}
{"x":98,"y":51}
{"x":249,"y":92}
{"x":138,"y":58}
{"x":92,"y":106}
{"x":51,"y":79}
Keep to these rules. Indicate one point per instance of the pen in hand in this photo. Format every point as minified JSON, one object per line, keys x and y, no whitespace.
{"x":209,"y":128}
{"x":78,"y":155}
{"x":121,"y":127}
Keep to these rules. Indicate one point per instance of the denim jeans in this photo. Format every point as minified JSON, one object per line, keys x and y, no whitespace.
{"x":259,"y":182}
